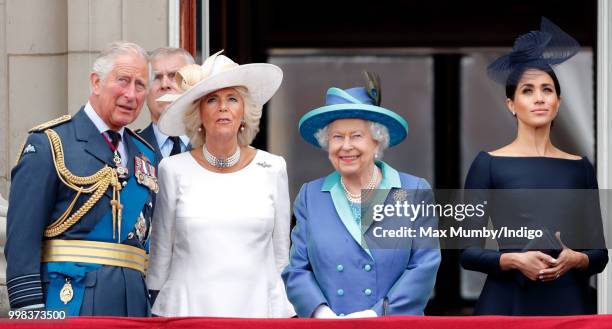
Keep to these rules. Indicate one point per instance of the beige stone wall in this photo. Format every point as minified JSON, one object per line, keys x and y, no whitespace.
{"x":36,"y":67}
{"x":92,"y":24}
{"x":4,"y":306}
{"x":47,"y":48}
{"x":3,"y":151}
{"x":4,"y":143}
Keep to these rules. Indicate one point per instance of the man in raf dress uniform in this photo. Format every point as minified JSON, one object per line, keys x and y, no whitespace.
{"x":80,"y":202}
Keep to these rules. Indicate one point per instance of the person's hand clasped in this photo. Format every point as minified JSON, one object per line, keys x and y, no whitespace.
{"x":537,"y":265}
{"x":324,"y":312}
{"x":361,"y":314}
{"x":567,"y":260}
{"x":532,"y":263}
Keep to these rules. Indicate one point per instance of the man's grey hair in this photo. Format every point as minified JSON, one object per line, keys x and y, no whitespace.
{"x":104,"y":63}
{"x":164,"y":52}
{"x":379,"y":133}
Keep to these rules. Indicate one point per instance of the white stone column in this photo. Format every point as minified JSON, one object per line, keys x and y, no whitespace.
{"x":604,"y":138}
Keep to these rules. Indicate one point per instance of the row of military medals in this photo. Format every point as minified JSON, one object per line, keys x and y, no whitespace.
{"x":66,"y":294}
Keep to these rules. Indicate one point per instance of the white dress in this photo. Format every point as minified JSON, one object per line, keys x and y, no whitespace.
{"x":219,"y":242}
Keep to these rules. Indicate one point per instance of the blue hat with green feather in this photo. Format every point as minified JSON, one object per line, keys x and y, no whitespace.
{"x":354,"y":103}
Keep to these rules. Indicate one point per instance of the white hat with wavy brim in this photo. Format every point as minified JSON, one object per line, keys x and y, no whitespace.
{"x":261,"y":80}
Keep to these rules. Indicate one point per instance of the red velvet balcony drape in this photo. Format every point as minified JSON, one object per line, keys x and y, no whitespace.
{"x":412,"y":322}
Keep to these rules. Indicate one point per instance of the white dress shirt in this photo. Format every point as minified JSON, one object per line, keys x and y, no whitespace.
{"x":103,"y":127}
{"x":165,"y":143}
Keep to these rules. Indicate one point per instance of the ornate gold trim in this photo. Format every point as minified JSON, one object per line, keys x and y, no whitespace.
{"x":95,"y":185}
{"x":51,"y":123}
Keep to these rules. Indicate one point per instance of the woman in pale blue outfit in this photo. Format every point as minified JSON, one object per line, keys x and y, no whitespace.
{"x":332,"y":271}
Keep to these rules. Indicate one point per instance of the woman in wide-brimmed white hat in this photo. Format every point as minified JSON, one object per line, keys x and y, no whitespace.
{"x":221,"y":226}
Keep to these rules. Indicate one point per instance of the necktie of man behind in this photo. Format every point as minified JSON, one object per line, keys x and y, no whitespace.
{"x":176,"y":145}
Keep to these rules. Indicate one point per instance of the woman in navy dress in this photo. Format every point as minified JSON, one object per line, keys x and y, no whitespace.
{"x":536,"y":281}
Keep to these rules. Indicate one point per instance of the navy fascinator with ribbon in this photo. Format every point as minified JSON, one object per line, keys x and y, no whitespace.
{"x":537,"y":49}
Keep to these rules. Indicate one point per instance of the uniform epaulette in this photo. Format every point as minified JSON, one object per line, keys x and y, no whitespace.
{"x":51,"y":123}
{"x":135,"y":135}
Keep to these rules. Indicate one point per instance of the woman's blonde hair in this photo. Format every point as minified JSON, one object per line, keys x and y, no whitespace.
{"x":252,"y":116}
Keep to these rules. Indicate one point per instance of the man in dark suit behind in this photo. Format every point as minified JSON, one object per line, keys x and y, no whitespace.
{"x":164,"y":63}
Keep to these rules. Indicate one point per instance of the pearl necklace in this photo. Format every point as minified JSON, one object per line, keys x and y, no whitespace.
{"x":356,"y":198}
{"x":220,"y":162}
